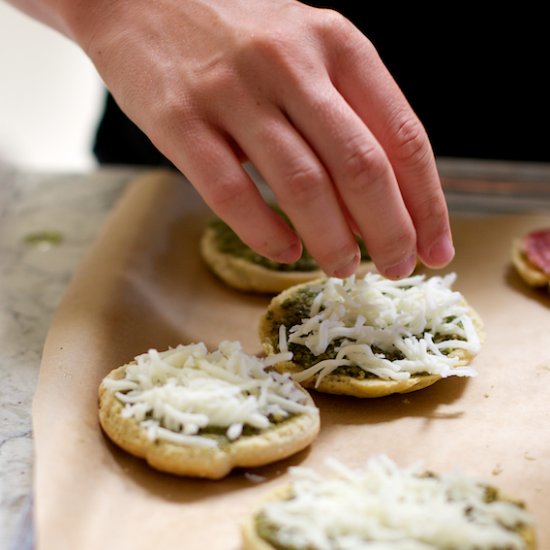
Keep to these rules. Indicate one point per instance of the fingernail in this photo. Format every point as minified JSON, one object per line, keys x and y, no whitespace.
{"x":291,"y":254}
{"x":442,"y":252}
{"x":402,"y":269}
{"x":347,"y":268}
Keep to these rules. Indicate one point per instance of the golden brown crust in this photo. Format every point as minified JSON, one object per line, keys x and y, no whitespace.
{"x":244,"y":275}
{"x":250,"y":538}
{"x":277,"y":443}
{"x":347,"y":385}
{"x":252,"y":541}
{"x":343,"y":384}
{"x":526,"y":269}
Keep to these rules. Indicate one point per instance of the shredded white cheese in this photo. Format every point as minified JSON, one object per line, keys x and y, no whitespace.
{"x":176,"y":393}
{"x":384,"y":507}
{"x":369,"y":318}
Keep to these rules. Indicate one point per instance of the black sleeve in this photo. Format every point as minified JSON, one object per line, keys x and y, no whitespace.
{"x":119,"y":141}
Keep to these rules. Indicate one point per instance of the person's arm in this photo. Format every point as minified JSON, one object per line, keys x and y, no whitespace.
{"x":298,"y":91}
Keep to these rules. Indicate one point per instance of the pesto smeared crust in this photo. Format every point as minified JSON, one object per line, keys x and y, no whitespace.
{"x":240,"y":267}
{"x":296,"y":308}
{"x":228,"y":242}
{"x":255,"y":447}
{"x":293,"y":305}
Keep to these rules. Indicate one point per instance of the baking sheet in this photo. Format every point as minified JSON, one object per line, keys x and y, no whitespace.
{"x":144,"y":285}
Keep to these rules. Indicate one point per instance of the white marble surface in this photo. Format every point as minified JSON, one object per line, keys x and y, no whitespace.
{"x":33,"y":277}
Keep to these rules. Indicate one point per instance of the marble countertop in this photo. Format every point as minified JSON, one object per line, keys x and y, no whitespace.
{"x":47,"y":222}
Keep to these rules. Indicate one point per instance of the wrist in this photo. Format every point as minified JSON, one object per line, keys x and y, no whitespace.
{"x":80,"y":20}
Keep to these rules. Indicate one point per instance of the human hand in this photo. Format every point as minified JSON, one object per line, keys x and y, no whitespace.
{"x":303,"y":95}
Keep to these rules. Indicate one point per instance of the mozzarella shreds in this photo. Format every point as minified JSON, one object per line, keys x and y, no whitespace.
{"x":385,"y":507}
{"x":175,"y":394}
{"x":391,"y":329}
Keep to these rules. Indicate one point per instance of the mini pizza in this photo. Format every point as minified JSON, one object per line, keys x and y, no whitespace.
{"x":385,"y":507}
{"x":192,"y":412}
{"x":531,"y":257}
{"x":240,"y":267}
{"x":371,"y":336}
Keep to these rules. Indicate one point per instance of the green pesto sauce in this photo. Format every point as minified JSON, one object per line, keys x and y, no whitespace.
{"x":295,"y":309}
{"x":44,"y":238}
{"x":218,"y":433}
{"x":229,"y":243}
{"x":298,"y":307}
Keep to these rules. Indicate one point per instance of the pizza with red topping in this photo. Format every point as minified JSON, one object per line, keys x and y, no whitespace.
{"x":531,"y":258}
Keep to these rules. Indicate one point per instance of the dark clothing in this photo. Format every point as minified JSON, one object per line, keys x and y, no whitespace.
{"x":120,"y":141}
{"x":476,"y":81}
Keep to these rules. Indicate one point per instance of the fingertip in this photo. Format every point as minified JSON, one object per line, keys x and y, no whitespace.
{"x":290,"y":254}
{"x":440,"y":253}
{"x":401,"y":269}
{"x":347,"y":267}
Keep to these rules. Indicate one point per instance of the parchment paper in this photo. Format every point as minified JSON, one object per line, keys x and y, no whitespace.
{"x":143,"y":285}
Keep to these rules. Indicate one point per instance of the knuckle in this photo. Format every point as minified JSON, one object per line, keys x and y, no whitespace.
{"x":219,"y":82}
{"x":409,"y":141}
{"x":226,"y":194}
{"x":345,"y":39}
{"x":320,"y":100}
{"x":173,"y":125}
{"x":305,"y":183}
{"x":331,"y":18}
{"x":270,"y":48}
{"x":332,"y":21}
{"x":173,"y":111}
{"x":286,"y":57}
{"x":366,"y":167}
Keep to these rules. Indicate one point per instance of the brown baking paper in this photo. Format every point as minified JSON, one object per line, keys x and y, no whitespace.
{"x":143,"y":285}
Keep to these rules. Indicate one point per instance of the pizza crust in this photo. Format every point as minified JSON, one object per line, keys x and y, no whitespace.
{"x":276,"y":443}
{"x":251,"y":540}
{"x":244,"y":275}
{"x":527,"y":270}
{"x":344,"y":384}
